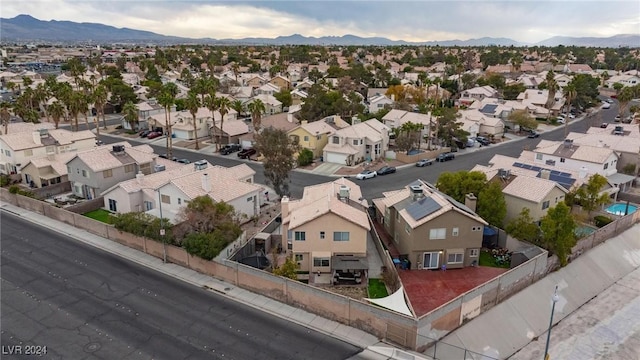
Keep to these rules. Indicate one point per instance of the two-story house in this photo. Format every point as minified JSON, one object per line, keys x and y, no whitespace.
{"x":92,"y":172}
{"x":170,"y":190}
{"x":579,"y":158}
{"x":487,"y":125}
{"x":145,"y":110}
{"x":430,"y":228}
{"x":298,"y":96}
{"x":183,"y":127}
{"x":366,"y":141}
{"x":16,"y":149}
{"x":312,"y":135}
{"x":478,"y":93}
{"x":538,"y":99}
{"x":326,"y":226}
{"x":281,"y":82}
{"x":271,"y":104}
{"x":46,"y":171}
{"x":267,"y":89}
{"x":379,"y":102}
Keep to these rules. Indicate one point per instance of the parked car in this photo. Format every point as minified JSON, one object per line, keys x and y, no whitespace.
{"x":230,"y":148}
{"x":560,"y":120}
{"x":165,"y":156}
{"x":386,"y":170}
{"x":424,"y":162}
{"x":246,"y":153}
{"x":99,"y":142}
{"x":604,"y":125}
{"x":366,"y":174}
{"x":144,"y":133}
{"x":610,"y":101}
{"x":606,"y":106}
{"x":184,"y":161}
{"x":154,"y":134}
{"x":533,"y":135}
{"x":618,"y":118}
{"x":445,"y":157}
{"x":483,"y":141}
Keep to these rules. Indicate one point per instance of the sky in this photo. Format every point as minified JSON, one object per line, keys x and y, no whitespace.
{"x":419,"y":20}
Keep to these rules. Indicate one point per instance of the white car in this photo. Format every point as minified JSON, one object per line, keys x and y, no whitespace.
{"x":560,"y":120}
{"x":366,"y":174}
{"x":606,"y":105}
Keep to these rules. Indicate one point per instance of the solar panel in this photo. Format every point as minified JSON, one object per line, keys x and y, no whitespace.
{"x":489,"y":108}
{"x":555,"y":172}
{"x":517,"y":164}
{"x":536,"y":168}
{"x":565,"y":174}
{"x":422,"y":208}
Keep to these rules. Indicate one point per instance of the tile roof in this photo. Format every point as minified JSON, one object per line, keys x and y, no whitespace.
{"x":224,"y":183}
{"x":25,"y":140}
{"x":318,"y":127}
{"x":18,"y":127}
{"x":318,"y":200}
{"x":102,"y":158}
{"x":233,"y":127}
{"x":627,"y":144}
{"x":530,"y":188}
{"x":58,"y":162}
{"x":586,"y":153}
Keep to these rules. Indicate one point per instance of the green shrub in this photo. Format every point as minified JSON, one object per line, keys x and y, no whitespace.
{"x":602,"y":220}
{"x":4,"y":180}
{"x":14,"y":189}
{"x":305,"y":157}
{"x":142,"y":224}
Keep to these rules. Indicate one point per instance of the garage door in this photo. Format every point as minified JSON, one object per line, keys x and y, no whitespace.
{"x":335,"y":158}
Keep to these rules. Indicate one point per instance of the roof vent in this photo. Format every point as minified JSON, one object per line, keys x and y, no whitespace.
{"x":118,"y":148}
{"x":416,"y":192}
{"x":568,"y":143}
{"x":344,"y":192}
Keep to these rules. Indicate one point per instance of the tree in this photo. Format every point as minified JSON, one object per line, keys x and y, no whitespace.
{"x":100,"y":96}
{"x":289,"y":269}
{"x":570,"y":93}
{"x":450,"y":129}
{"x":238,"y":106}
{"x":523,"y":120}
{"x":552,"y":87}
{"x":523,"y":227}
{"x":408,"y":136}
{"x":223,"y":104}
{"x":278,"y":151}
{"x":624,"y":97}
{"x":491,"y":204}
{"x":589,"y":195}
{"x":284,"y":96}
{"x":458,"y":184}
{"x":305,"y":157}
{"x":57,"y":111}
{"x":5,"y":116}
{"x":558,"y":231}
{"x":131,"y":114}
{"x":192,"y":103}
{"x":167,"y":99}
{"x":256,"y":108}
{"x":76,"y":105}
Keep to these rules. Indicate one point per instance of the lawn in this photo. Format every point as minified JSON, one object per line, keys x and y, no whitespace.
{"x":100,"y":215}
{"x":377,"y":289}
{"x":486,"y":259}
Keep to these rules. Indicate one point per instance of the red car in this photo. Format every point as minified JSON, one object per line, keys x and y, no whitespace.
{"x":153,"y":135}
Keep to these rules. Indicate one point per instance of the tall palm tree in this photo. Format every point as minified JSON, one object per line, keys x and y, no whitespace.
{"x":57,"y":111}
{"x":76,"y":105}
{"x":41,"y":95}
{"x":100,"y":97}
{"x":238,"y":106}
{"x":204,"y":85}
{"x":223,"y":105}
{"x":256,"y":108}
{"x":167,"y":99}
{"x":5,"y":116}
{"x":131,"y":114}
{"x":570,"y":93}
{"x":211,"y":102}
{"x":192,"y":103}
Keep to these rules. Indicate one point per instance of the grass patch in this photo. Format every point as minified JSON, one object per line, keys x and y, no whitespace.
{"x":100,"y":215}
{"x":377,"y":289}
{"x":486,"y":259}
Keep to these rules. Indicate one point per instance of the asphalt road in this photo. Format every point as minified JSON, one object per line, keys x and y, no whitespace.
{"x":82,"y":303}
{"x":373,"y":188}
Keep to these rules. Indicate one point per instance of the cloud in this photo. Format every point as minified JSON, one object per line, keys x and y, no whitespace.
{"x":527,"y":21}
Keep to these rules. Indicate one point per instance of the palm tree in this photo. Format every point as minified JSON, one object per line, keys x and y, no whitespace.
{"x":211,"y":102}
{"x":238,"y":106}
{"x":223,"y":105}
{"x":624,"y":98}
{"x":167,"y":99}
{"x":131,"y":115}
{"x":5,"y":115}
{"x":192,"y":103}
{"x":41,"y":95}
{"x":100,"y":95}
{"x":204,"y":85}
{"x":570,"y":93}
{"x":256,"y":108}
{"x":552,"y":87}
{"x":57,"y":111}
{"x":76,"y":105}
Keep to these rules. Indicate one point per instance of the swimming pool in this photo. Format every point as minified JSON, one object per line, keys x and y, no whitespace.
{"x":583,"y":231}
{"x":620,"y":208}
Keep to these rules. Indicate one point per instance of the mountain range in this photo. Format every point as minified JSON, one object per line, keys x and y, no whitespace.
{"x":25,"y":28}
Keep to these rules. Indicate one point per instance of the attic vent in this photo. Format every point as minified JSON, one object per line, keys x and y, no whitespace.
{"x":200,"y":165}
{"x":159,"y":168}
{"x":44,"y":132}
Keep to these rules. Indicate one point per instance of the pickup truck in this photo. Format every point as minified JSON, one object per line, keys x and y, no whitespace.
{"x":230,"y":148}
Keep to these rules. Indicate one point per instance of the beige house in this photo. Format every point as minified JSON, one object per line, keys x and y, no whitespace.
{"x":281,"y":82}
{"x":328,"y":225}
{"x":536,"y":194}
{"x":46,"y":171}
{"x":430,"y":228}
{"x":366,"y":141}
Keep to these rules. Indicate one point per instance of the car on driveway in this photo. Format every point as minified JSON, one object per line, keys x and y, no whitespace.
{"x":533,"y":135}
{"x":606,"y":106}
{"x":230,"y":148}
{"x":184,"y":161}
{"x":445,"y":157}
{"x":246,"y":153}
{"x":154,"y":134}
{"x":144,"y":133}
{"x":424,"y":162}
{"x":386,"y":170}
{"x":483,"y":141}
{"x":366,"y":174}
{"x":604,"y":125}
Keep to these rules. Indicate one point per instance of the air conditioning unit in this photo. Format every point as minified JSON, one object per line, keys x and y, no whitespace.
{"x":158,"y":168}
{"x":419,"y":266}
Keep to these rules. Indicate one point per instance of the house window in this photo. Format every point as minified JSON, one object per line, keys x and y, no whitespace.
{"x":335,"y":140}
{"x":148,"y":205}
{"x":606,"y":166}
{"x":306,"y":138}
{"x":129,"y":168}
{"x":179,"y":201}
{"x":318,"y":137}
{"x":545,"y":205}
{"x":8,"y":153}
{"x":249,"y":199}
{"x":113,"y":205}
{"x":85,"y":174}
{"x":438,"y":234}
{"x":299,"y":257}
{"x":407,"y":228}
{"x":550,"y":162}
{"x":321,"y":234}
{"x":107,"y":173}
{"x":538,"y":156}
{"x":430,"y":260}
{"x":340,"y":236}
{"x":166,"y":199}
{"x":317,"y":262}
{"x":355,"y":142}
{"x":455,"y":258}
{"x":562,"y":160}
{"x":300,"y":236}
{"x":474,"y":252}
{"x":28,"y":152}
{"x":455,"y":231}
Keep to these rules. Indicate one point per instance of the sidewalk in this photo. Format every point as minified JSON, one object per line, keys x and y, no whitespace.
{"x":374,"y":348}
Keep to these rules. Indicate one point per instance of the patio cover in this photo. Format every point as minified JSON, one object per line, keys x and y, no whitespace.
{"x":395,"y":302}
{"x":618,"y":179}
{"x":343,"y":263}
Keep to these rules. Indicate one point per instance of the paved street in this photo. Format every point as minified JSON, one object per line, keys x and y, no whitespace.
{"x":83,"y":303}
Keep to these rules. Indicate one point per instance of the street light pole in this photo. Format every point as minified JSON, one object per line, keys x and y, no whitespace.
{"x":554,"y":299}
{"x":164,"y":243}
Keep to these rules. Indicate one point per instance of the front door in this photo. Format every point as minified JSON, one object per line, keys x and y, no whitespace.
{"x":431,"y":260}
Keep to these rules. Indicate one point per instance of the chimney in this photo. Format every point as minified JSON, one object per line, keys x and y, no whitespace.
{"x":416,"y":192}
{"x":470,"y":201}
{"x":139,"y":177}
{"x":36,"y":138}
{"x":284,"y":206}
{"x":290,"y":117}
{"x":545,"y":174}
{"x":583,"y":172}
{"x":206,"y":183}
